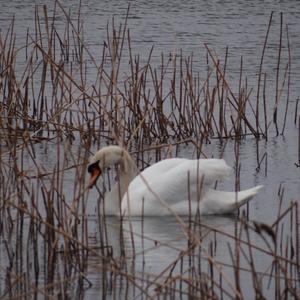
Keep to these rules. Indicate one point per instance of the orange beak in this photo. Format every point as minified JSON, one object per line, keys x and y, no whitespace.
{"x":95,"y":173}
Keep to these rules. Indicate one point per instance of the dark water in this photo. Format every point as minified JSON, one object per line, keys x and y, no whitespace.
{"x":172,"y":26}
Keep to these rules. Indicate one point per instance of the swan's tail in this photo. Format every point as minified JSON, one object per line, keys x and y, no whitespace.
{"x":220,"y":202}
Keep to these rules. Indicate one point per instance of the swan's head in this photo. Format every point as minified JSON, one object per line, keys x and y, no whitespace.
{"x":105,"y":158}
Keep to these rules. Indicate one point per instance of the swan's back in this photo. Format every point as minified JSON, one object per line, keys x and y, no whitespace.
{"x":210,"y":169}
{"x":172,"y":181}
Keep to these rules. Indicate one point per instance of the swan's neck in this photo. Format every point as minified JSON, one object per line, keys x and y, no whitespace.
{"x":127,"y":173}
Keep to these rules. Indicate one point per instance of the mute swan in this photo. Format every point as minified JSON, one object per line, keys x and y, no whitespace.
{"x":172,"y":185}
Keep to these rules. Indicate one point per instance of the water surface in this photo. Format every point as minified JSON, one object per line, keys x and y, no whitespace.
{"x":174,"y":26}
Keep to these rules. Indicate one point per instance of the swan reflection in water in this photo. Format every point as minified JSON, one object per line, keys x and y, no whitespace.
{"x":155,"y":242}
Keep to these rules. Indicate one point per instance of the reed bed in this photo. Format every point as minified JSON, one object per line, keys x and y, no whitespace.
{"x":67,"y":102}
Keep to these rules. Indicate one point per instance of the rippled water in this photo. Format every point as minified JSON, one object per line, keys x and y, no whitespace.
{"x":171,"y":26}
{"x":181,"y":25}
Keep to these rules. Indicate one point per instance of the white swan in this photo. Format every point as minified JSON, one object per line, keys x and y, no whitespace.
{"x":171,"y":185}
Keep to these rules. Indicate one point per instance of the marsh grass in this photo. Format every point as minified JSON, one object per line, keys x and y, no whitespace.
{"x":62,"y":98}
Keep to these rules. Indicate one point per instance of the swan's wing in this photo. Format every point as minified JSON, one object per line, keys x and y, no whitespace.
{"x":156,"y":171}
{"x":172,"y":181}
{"x":210,"y":169}
{"x":163,"y":166}
{"x":216,"y":202}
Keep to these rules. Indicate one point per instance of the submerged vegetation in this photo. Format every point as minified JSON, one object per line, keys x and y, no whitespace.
{"x":65,"y":102}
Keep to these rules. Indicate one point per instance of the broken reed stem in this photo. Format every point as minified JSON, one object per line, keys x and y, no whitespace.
{"x":296,"y":111}
{"x":260,"y":75}
{"x":299,"y":142}
{"x":277,"y":76}
{"x":288,"y":80}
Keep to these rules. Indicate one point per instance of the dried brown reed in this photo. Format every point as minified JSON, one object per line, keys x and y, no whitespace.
{"x":54,"y":101}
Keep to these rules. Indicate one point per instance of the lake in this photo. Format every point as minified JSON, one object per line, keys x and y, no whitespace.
{"x":43,"y":177}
